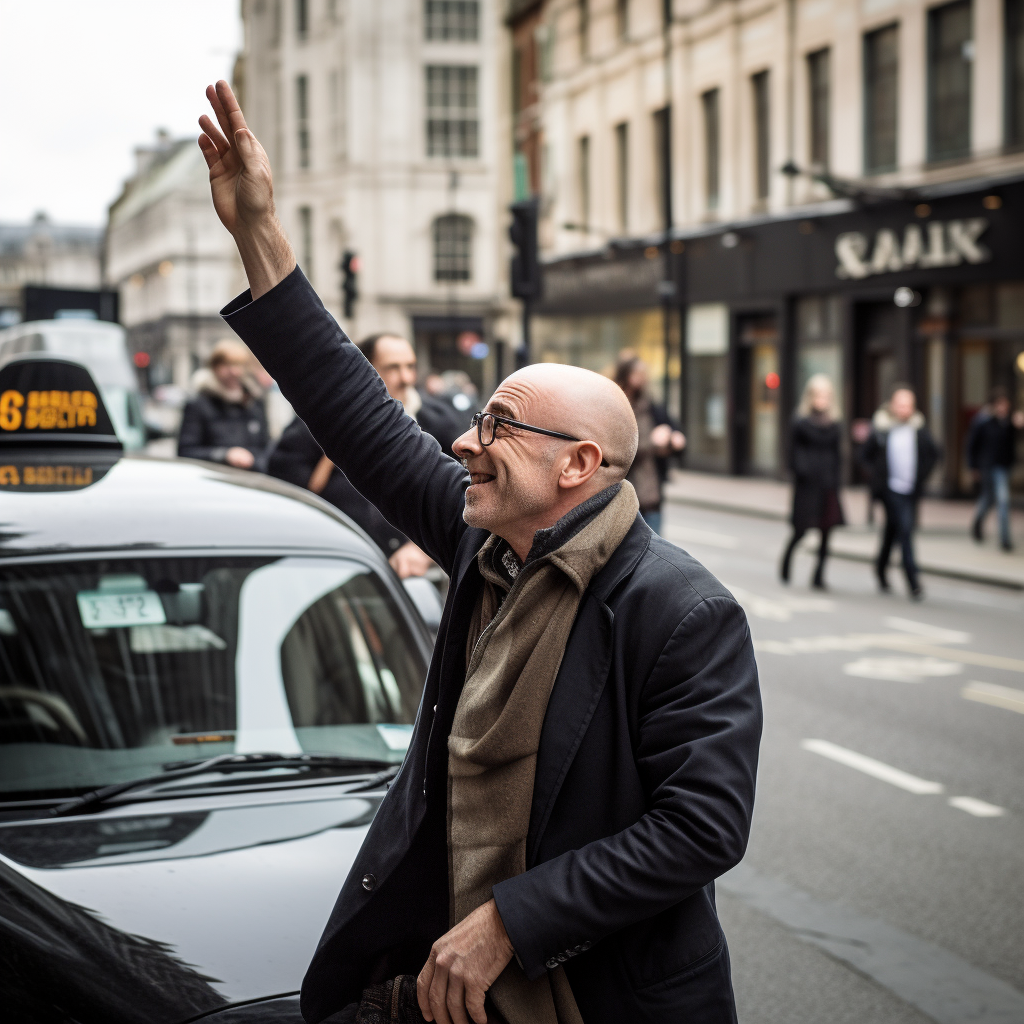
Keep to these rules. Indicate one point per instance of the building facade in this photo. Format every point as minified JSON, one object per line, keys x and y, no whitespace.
{"x":53,"y":256}
{"x":792,"y":187}
{"x":380,"y":122}
{"x":171,"y":260}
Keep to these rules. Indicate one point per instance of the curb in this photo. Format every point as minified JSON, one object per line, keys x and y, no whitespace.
{"x":849,"y":556}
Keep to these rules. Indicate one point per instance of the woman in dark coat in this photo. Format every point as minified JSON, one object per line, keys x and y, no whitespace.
{"x":815,"y":461}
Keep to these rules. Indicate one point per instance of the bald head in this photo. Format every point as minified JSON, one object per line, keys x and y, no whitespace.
{"x":577,"y":402}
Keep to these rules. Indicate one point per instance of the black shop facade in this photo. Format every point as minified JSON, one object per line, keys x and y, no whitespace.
{"x":734,"y":319}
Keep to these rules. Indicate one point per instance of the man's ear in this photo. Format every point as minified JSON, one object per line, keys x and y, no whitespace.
{"x":583,"y":462}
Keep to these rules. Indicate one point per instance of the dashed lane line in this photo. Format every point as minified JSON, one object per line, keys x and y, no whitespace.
{"x":992,"y":693}
{"x":940,"y":984}
{"x":901,"y":779}
{"x":869,"y":766}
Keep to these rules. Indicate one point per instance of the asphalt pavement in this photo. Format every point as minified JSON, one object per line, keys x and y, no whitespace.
{"x":884,"y":880}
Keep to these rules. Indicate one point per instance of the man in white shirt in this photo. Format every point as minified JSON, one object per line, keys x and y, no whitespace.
{"x":900,"y":454}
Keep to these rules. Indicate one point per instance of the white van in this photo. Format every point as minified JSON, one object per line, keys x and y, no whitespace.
{"x":103,"y":349}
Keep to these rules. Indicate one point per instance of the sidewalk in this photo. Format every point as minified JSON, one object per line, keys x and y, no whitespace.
{"x":943,"y":545}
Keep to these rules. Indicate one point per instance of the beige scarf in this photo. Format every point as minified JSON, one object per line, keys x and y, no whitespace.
{"x":515,"y":650}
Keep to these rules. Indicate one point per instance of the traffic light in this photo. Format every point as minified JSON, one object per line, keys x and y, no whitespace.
{"x":350,"y":281}
{"x":526,"y":274}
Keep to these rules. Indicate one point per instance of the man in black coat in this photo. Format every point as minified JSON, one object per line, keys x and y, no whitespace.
{"x":900,"y":455}
{"x":644,"y":777}
{"x":991,"y":453}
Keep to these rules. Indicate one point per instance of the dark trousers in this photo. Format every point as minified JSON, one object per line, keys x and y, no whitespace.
{"x":900,"y":513}
{"x":819,"y":572}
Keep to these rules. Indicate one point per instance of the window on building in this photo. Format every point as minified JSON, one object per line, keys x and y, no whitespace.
{"x":452,"y":113}
{"x":302,"y":118}
{"x":275,"y":24}
{"x":819,"y":85}
{"x":881,"y":98}
{"x":306,"y":239}
{"x":584,"y":6}
{"x":712,"y":144}
{"x":950,"y":56}
{"x":622,"y":174}
{"x":1014,"y":28}
{"x":760,"y":84}
{"x":663,"y":164}
{"x":337,"y":89}
{"x":301,"y":18}
{"x":453,"y":248}
{"x":622,"y":18}
{"x":452,"y":20}
{"x":584,"y":174}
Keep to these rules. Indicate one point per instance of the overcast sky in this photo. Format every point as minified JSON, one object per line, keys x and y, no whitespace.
{"x":82,"y":82}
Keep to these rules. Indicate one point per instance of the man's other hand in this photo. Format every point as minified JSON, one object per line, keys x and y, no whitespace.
{"x":243,"y":191}
{"x":409,"y":560}
{"x":462,"y":966}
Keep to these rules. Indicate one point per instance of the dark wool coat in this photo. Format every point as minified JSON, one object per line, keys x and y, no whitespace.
{"x":294,"y":458}
{"x":211,"y":424}
{"x":645,"y":775}
{"x":991,"y":442}
{"x":875,"y":456}
{"x":815,"y":461}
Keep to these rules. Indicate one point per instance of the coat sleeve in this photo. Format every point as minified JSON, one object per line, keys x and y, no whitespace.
{"x":360,"y":427}
{"x":193,"y":442}
{"x":699,"y":725}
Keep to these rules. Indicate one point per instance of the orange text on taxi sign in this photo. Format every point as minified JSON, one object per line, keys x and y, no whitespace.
{"x":46,"y":476}
{"x":47,"y":410}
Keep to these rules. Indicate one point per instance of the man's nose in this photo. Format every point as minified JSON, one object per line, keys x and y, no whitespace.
{"x":408,"y":376}
{"x":467,"y":444}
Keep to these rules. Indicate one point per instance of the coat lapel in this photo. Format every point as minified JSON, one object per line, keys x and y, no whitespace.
{"x":580,"y":682}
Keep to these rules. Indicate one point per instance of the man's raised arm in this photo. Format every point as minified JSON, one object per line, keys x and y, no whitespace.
{"x":332,"y":387}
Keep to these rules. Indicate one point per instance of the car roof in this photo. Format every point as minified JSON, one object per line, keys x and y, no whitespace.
{"x":143,"y":502}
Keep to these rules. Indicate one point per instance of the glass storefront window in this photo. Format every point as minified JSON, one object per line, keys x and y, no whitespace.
{"x":819,"y":343}
{"x":707,"y":346}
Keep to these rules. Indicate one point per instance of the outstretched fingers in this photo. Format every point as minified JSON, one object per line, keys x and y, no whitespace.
{"x":209,"y":151}
{"x":231,"y":109}
{"x":219,"y":142}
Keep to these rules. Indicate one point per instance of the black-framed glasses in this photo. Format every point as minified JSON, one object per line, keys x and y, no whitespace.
{"x":486,"y":424}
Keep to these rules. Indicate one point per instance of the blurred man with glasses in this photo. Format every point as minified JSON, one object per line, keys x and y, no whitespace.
{"x":582,"y":767}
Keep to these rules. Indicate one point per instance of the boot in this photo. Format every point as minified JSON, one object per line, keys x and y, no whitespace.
{"x":976,"y":531}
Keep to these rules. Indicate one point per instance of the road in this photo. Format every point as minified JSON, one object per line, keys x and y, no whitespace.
{"x":884,"y":880}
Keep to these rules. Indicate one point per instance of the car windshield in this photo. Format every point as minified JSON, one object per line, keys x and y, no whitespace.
{"x":111,"y":669}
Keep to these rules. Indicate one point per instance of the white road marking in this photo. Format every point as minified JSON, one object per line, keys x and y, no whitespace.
{"x":688,"y":535}
{"x":978,"y":808}
{"x":781,"y":608}
{"x":923,"y":629}
{"x":998,"y":696}
{"x":901,"y":670}
{"x":869,"y":766}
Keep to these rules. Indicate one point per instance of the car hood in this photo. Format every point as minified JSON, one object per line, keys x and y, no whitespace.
{"x":162,"y":912}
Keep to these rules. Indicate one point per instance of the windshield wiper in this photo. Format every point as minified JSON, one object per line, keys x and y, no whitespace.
{"x":223,"y":763}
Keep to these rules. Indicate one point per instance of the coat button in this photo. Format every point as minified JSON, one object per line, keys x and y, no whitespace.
{"x":369,"y":882}
{"x":435,"y":709}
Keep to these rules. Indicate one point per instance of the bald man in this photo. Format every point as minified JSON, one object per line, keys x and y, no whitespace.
{"x":582,"y":767}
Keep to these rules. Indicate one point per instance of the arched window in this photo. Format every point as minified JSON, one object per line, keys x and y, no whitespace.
{"x":453,"y":248}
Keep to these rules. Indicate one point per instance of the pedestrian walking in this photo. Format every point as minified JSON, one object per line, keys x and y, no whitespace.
{"x":394,"y":359}
{"x":583,"y":762}
{"x":226,"y":421}
{"x":815,"y":461}
{"x":659,"y":437}
{"x":900,"y":455}
{"x":991,"y":453}
{"x":299,"y":460}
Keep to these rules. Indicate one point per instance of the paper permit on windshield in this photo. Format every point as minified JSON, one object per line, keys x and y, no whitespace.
{"x":101,"y":609}
{"x":396,"y":737}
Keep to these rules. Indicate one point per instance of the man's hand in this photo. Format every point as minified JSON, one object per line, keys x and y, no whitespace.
{"x":409,"y":560}
{"x":664,"y":439}
{"x":243,"y":192}
{"x":462,"y":966}
{"x":239,"y":457}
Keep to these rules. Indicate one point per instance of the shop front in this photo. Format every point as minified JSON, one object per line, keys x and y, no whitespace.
{"x":927,"y":290}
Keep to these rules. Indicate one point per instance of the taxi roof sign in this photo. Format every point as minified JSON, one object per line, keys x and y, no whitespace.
{"x":52,"y":402}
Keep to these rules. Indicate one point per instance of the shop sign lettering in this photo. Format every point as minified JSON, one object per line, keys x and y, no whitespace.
{"x":936,"y":244}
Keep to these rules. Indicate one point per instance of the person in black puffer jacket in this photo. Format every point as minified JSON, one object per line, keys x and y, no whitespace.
{"x":815,"y":460}
{"x":991,"y":452}
{"x":226,"y":421}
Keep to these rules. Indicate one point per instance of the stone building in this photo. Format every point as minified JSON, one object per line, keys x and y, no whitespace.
{"x":750,"y":191}
{"x":380,"y":122}
{"x":170,"y":259}
{"x":44,"y":253}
